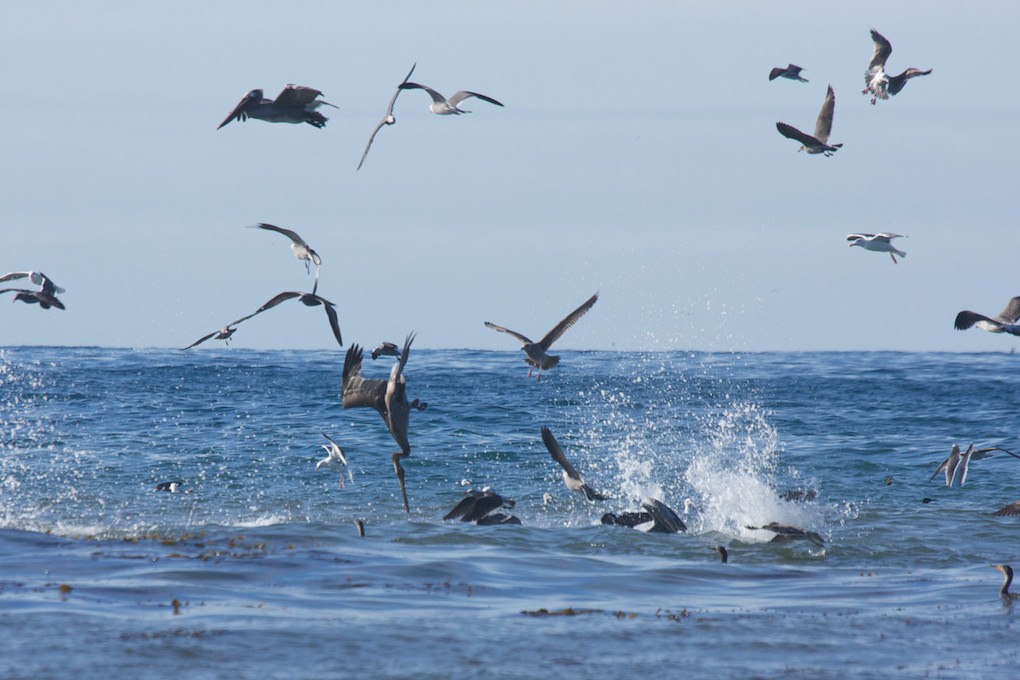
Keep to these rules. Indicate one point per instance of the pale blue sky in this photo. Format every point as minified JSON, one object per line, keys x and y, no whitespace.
{"x":636,"y":155}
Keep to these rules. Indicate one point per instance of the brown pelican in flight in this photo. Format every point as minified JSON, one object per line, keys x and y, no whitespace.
{"x":791,"y":72}
{"x":301,"y":250}
{"x":442,"y":106}
{"x":819,"y":143}
{"x":536,"y":352}
{"x":571,"y":477}
{"x":877,"y":82}
{"x":1003,"y":322}
{"x":388,"y":119}
{"x":386,"y":349}
{"x":956,"y":465}
{"x":880,"y":243}
{"x":295,"y":104}
{"x":388,"y":397}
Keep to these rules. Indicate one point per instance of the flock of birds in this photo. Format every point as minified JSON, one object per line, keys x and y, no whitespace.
{"x":299,"y":104}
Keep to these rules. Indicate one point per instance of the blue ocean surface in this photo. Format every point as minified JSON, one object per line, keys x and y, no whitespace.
{"x":254,"y":568}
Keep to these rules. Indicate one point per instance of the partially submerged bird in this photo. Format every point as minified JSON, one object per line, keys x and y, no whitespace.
{"x":785,"y":533}
{"x":172,"y":486}
{"x":38,"y":278}
{"x":879,"y":243}
{"x":386,"y":349}
{"x":478,"y":507}
{"x":877,"y":82}
{"x":334,"y":459}
{"x":441,"y":105}
{"x":956,"y":464}
{"x":301,"y":250}
{"x":571,"y":477}
{"x":819,"y":143}
{"x":1011,"y":510}
{"x":536,"y":352}
{"x":1003,"y":322}
{"x":295,"y":104}
{"x":1007,"y":573}
{"x":792,"y":72}
{"x":388,"y":119}
{"x":724,"y":556}
{"x":656,"y":518}
{"x":387,"y":397}
{"x":34,"y":297}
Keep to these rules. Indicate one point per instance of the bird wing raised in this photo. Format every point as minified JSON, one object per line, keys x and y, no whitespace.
{"x":297,"y":95}
{"x":561,"y":328}
{"x":389,"y":112}
{"x":557,"y":454}
{"x":292,"y":235}
{"x":1012,"y":311}
{"x":436,"y":97}
{"x":665,"y":519}
{"x":882,"y":51}
{"x":523,"y":339}
{"x":356,"y":391}
{"x":823,"y":126}
{"x":458,"y":97}
{"x":240,"y":112}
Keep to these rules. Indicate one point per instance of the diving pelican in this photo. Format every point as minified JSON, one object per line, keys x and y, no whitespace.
{"x":956,"y":464}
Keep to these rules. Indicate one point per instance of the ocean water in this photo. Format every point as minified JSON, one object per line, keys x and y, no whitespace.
{"x":255,"y":568}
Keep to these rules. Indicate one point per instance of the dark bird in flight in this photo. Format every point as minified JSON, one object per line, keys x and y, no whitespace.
{"x":295,"y":104}
{"x":571,"y":477}
{"x":819,"y":143}
{"x":878,"y":83}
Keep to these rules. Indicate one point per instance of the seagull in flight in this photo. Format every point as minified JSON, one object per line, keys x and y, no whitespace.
{"x":387,"y":397}
{"x":878,"y":83}
{"x":308,"y":299}
{"x":819,"y":143}
{"x":1004,"y":322}
{"x":295,"y":104}
{"x":792,"y":72}
{"x":957,"y":464}
{"x":537,"y":352}
{"x":880,"y":243}
{"x":301,"y":250}
{"x":388,"y":119}
{"x":441,"y":106}
{"x":571,"y":477}
{"x":38,"y":278}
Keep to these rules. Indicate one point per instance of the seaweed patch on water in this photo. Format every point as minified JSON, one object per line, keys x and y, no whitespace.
{"x":567,"y":611}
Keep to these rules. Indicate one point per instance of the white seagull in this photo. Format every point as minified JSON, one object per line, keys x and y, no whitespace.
{"x":1004,"y":322}
{"x":571,"y":477}
{"x":878,"y":83}
{"x":819,"y":143}
{"x":441,"y":106}
{"x":334,"y":459}
{"x":301,"y":250}
{"x":536,"y":352}
{"x":880,"y":243}
{"x":388,"y":119}
{"x":38,"y":278}
{"x":295,"y":104}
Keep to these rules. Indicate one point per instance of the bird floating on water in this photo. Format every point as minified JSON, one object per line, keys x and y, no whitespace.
{"x":442,"y":106}
{"x":656,"y":518}
{"x":301,"y":250}
{"x":819,"y":143}
{"x":878,"y":83}
{"x":1007,"y":573}
{"x":388,"y":119}
{"x":571,"y":477}
{"x":791,"y":72}
{"x":785,"y":533}
{"x":536,"y":352}
{"x":1003,"y":322}
{"x":478,"y":507}
{"x":295,"y":104}
{"x":172,"y":486}
{"x":879,"y":243}
{"x":387,"y":397}
{"x":956,"y":464}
